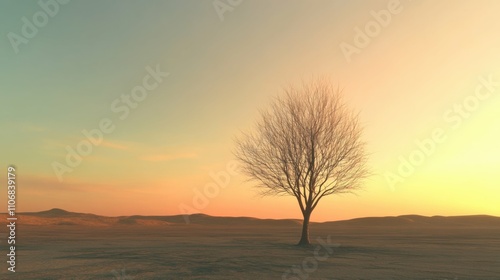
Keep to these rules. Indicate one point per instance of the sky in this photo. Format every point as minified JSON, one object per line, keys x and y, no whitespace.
{"x":170,"y":84}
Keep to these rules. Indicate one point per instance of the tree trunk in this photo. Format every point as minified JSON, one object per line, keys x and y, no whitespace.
{"x":304,"y":240}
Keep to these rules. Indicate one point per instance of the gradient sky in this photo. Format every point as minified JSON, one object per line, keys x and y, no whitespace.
{"x":429,"y":57}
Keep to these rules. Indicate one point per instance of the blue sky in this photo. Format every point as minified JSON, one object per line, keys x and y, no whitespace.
{"x":90,"y":53}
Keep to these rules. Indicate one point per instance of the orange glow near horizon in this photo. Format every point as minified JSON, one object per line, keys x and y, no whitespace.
{"x":419,"y":74}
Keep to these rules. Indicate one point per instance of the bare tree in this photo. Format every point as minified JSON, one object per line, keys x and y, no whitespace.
{"x":307,"y":145}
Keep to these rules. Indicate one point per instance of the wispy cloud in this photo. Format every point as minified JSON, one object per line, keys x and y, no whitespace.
{"x":114,"y":145}
{"x":33,"y":128}
{"x":168,"y":157}
{"x":25,"y":127}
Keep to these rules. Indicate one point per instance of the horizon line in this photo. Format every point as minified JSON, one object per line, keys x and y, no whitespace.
{"x":190,"y":214}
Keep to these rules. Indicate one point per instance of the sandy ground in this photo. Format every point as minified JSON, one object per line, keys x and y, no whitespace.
{"x":194,"y":251}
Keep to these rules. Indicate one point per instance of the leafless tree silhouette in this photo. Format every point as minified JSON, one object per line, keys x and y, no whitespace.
{"x":308,"y":145}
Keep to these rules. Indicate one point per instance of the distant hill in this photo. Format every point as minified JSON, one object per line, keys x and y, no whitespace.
{"x":64,"y":218}
{"x":416,"y":220}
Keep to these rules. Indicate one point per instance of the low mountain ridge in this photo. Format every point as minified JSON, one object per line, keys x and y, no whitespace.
{"x":65,"y":218}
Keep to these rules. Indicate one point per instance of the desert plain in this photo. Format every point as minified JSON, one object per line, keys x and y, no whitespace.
{"x":57,"y":244}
